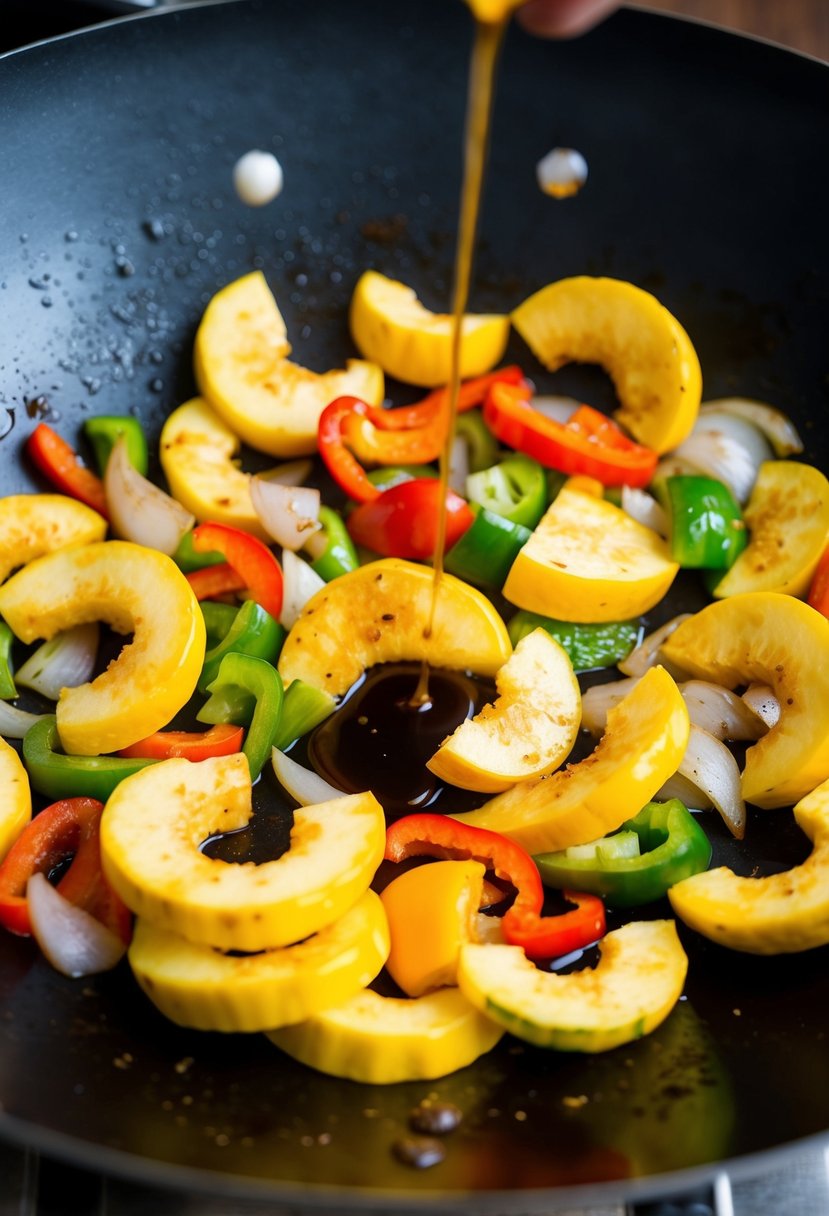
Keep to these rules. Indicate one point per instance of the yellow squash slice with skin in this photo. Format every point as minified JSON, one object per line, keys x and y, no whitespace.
{"x":787,"y":517}
{"x":15,"y":797}
{"x":384,"y":1040}
{"x":134,"y":590}
{"x":432,"y":910}
{"x":156,"y":820}
{"x":771,"y":639}
{"x":200,"y":987}
{"x":391,"y":327}
{"x":588,"y":561}
{"x":637,"y":982}
{"x":644,"y":349}
{"x":379,"y":614}
{"x":779,"y":914}
{"x":642,"y":747}
{"x":34,"y":524}
{"x":199,"y":458}
{"x":527,"y":732}
{"x":242,"y":370}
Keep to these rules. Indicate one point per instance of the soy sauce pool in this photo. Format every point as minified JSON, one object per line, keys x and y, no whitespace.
{"x":380,"y":737}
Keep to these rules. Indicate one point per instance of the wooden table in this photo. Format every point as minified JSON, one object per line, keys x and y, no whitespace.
{"x":801,"y":24}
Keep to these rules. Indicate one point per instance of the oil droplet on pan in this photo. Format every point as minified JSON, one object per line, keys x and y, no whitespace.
{"x":562,"y":172}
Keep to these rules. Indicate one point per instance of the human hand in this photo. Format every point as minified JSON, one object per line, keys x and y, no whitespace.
{"x":563,"y":18}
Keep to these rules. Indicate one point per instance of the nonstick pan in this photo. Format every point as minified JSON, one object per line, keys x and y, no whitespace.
{"x":708,"y":186}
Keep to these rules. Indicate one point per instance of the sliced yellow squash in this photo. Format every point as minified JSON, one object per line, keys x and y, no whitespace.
{"x":643,"y":348}
{"x":383,"y":1040}
{"x":379,"y":614}
{"x":134,"y":590}
{"x":643,"y":745}
{"x":391,"y":327}
{"x":589,"y":561}
{"x":779,"y":914}
{"x":243,"y":372}
{"x":156,"y":820}
{"x":200,"y":987}
{"x":634,"y":987}
{"x":34,"y":524}
{"x":15,"y":797}
{"x":527,"y":732}
{"x":770,"y":639}
{"x":787,"y":517}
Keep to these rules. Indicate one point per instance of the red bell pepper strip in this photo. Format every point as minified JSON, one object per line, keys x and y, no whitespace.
{"x":522,"y":924}
{"x":589,"y":444}
{"x":404,"y":520}
{"x":471,"y":393}
{"x":66,"y":828}
{"x":251,"y":559}
{"x":223,"y":739}
{"x":346,"y":470}
{"x":212,"y":581}
{"x":819,"y":590}
{"x":60,"y":463}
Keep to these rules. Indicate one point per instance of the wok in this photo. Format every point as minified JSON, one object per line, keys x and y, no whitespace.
{"x":708,"y":185}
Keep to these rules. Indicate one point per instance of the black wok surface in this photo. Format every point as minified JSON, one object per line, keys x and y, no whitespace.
{"x":708,"y":186}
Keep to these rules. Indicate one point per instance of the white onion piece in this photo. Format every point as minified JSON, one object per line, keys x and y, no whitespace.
{"x":645,"y":510}
{"x":761,"y":700}
{"x":559,"y":409}
{"x":721,"y":712}
{"x":459,"y":465}
{"x":687,"y":793}
{"x":720,"y":422}
{"x":673,"y":466}
{"x":777,"y":428}
{"x":291,"y":473}
{"x":710,"y":766}
{"x":65,"y":661}
{"x":290,"y":514}
{"x":300,"y":583}
{"x":74,"y":942}
{"x":305,"y":787}
{"x":14,"y":723}
{"x":722,"y":457}
{"x":646,"y":653}
{"x":597,"y":702}
{"x":140,"y":511}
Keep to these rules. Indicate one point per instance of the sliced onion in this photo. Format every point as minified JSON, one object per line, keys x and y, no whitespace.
{"x":14,"y":723}
{"x":290,"y":514}
{"x":761,"y":700}
{"x":673,"y":466}
{"x":779,"y":430}
{"x":721,"y":712}
{"x":301,"y":582}
{"x":305,"y":786}
{"x":646,"y":653}
{"x":140,"y":511}
{"x":459,"y":465}
{"x":727,"y":448}
{"x":74,"y":942}
{"x":710,"y":766}
{"x":65,"y":661}
{"x":560,"y":409}
{"x":291,"y":473}
{"x":644,"y":508}
{"x":687,"y":793}
{"x":598,"y":701}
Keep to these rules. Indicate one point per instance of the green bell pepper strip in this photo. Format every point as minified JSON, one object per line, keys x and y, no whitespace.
{"x":391,"y":475}
{"x":7,"y":685}
{"x":516,"y":489}
{"x":188,"y":560}
{"x":658,"y":847}
{"x":260,"y":680}
{"x":332,"y":549}
{"x":218,"y":619}
{"x":480,"y":441}
{"x":303,"y":708}
{"x":707,"y":528}
{"x":228,"y":704}
{"x":589,"y":646}
{"x":60,"y":776}
{"x":254,"y":632}
{"x":487,"y":549}
{"x":102,"y":432}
